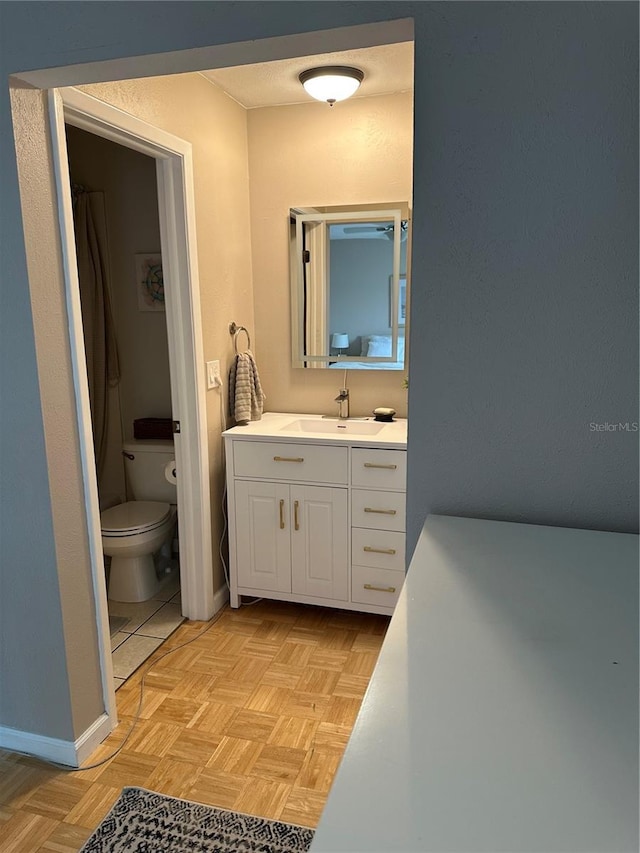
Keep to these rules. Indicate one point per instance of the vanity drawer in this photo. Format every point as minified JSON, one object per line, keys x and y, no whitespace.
{"x":382,"y":549}
{"x":379,"y":469}
{"x":378,"y":510}
{"x":313,"y":463}
{"x":375,"y":586}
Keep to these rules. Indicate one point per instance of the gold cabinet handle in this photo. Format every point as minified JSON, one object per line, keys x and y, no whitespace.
{"x":288,"y":458}
{"x":374,"y":465}
{"x":296,"y":522}
{"x":379,"y":550}
{"x":281,"y":514}
{"x":380,"y":511}
{"x":380,"y":588}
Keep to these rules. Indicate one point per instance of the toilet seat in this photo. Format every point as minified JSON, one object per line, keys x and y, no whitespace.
{"x":134,"y":517}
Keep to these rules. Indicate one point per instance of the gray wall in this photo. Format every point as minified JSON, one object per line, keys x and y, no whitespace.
{"x":523,"y":306}
{"x":525,"y":265}
{"x":360,"y":290}
{"x":359,"y":298}
{"x":30,"y":613}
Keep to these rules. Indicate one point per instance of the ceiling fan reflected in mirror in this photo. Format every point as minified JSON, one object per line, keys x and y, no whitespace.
{"x":379,"y":230}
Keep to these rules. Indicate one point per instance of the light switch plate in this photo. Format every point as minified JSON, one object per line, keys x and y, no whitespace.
{"x":214,"y":379}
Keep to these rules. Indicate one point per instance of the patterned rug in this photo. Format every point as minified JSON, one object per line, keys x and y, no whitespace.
{"x":144,"y":822}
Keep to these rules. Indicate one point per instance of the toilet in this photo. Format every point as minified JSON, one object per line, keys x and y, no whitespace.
{"x":138,"y":534}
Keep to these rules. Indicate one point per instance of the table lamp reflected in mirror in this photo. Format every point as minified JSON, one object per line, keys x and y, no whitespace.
{"x":340,"y":341}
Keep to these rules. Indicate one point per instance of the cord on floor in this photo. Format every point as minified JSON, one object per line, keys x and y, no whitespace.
{"x":169,"y":651}
{"x":138,"y":709}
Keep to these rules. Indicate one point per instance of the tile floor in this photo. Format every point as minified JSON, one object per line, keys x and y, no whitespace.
{"x":145,"y":627}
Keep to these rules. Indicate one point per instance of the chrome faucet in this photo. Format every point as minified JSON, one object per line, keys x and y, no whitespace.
{"x":343,"y":404}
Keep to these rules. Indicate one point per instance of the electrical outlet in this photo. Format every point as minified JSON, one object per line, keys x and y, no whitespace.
{"x":214,"y":379}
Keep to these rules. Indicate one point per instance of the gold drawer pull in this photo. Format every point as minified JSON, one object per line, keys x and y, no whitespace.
{"x":281,"y":514}
{"x":379,"y":550}
{"x":288,"y":458}
{"x":296,"y":520}
{"x":374,"y":465}
{"x":380,"y":511}
{"x":380,"y":588}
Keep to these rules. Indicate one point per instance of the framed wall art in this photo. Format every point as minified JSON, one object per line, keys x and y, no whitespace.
{"x":402,"y":300}
{"x":149,"y":282}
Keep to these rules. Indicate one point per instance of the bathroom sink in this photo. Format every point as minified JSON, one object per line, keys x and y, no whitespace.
{"x":333,"y":426}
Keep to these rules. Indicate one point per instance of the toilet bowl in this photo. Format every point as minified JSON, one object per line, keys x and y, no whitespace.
{"x":132,"y":535}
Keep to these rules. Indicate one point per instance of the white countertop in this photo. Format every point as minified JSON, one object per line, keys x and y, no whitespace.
{"x":274,"y":426}
{"x":503,"y":711}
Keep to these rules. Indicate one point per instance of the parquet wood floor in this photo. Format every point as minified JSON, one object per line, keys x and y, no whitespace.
{"x":254,"y":716}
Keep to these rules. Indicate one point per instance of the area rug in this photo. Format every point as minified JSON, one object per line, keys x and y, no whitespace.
{"x":144,"y":822}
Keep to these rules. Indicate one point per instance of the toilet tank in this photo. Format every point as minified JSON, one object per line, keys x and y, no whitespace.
{"x":145,"y":462}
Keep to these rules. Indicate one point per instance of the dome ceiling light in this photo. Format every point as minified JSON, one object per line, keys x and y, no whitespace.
{"x":332,"y":82}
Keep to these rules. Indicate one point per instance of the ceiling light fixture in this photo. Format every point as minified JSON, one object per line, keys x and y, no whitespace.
{"x":331,"y":83}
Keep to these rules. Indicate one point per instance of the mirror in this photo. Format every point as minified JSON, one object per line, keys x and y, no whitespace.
{"x":349,"y":286}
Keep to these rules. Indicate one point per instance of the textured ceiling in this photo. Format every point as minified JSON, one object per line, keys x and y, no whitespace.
{"x":387,"y":69}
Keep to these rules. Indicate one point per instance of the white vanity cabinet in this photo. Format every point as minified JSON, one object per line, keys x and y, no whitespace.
{"x":318,"y":519}
{"x":291,"y":539}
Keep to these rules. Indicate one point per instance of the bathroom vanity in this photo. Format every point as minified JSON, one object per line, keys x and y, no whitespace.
{"x":316,"y":510}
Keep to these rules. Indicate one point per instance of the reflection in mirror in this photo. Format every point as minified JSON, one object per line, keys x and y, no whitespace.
{"x":349,"y":287}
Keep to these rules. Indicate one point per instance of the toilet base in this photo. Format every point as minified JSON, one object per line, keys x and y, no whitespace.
{"x":133,"y":578}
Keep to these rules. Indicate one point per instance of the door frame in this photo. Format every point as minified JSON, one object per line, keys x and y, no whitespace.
{"x":176,"y":207}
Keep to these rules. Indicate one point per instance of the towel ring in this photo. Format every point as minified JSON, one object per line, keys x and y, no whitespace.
{"x":235,"y":331}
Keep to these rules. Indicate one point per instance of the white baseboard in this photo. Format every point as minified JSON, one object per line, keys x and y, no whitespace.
{"x":72,"y":753}
{"x":92,"y":737}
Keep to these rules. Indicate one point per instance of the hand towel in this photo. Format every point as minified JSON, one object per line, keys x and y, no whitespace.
{"x":246,"y":397}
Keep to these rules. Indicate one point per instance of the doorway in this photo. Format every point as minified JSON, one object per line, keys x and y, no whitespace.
{"x":115,"y":201}
{"x":186,"y":364}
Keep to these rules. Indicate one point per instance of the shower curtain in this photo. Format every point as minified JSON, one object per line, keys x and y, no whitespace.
{"x":103,"y":369}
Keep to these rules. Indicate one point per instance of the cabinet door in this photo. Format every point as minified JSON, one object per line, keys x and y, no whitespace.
{"x":262,"y":536}
{"x":319,"y":556}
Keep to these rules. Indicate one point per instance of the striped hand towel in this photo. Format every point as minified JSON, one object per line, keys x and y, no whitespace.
{"x":246,"y":397}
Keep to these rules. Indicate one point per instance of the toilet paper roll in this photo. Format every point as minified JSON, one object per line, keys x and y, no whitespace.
{"x":170,"y":472}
